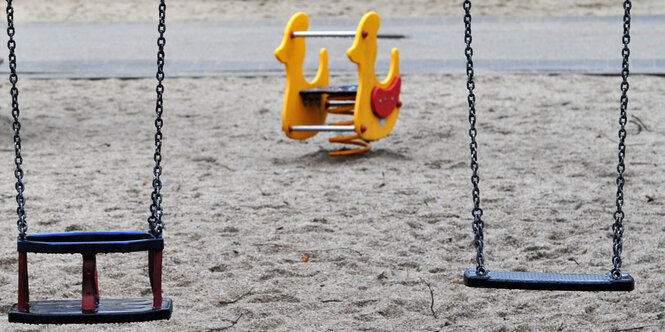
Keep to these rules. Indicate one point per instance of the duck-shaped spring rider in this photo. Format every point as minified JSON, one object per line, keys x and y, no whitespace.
{"x":373,"y":104}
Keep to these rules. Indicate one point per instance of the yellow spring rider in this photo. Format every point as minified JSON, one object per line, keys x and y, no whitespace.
{"x":373,"y":104}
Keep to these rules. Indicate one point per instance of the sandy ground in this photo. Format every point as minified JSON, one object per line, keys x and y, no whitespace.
{"x":211,"y":10}
{"x":245,"y":205}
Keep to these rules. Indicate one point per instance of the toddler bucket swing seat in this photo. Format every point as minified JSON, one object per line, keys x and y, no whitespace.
{"x":483,"y":277}
{"x":91,"y":308}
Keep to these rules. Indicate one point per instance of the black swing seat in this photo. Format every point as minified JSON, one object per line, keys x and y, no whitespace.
{"x":109,"y":311}
{"x":331,"y":91}
{"x":106,"y":310}
{"x":549,"y":281}
{"x":90,"y":242}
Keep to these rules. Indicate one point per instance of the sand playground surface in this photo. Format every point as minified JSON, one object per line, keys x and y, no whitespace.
{"x":267,"y":233}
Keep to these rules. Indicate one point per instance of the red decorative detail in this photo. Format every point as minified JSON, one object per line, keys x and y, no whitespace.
{"x":365,"y":33}
{"x":363,"y":128}
{"x":23,"y":293}
{"x":399,"y":104}
{"x":155,"y":271}
{"x":293,"y":35}
{"x":290,"y":128}
{"x":90,"y":288}
{"x":385,"y":101}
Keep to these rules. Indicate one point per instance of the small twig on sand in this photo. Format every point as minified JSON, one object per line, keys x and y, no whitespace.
{"x":232,"y":322}
{"x":330,"y":301}
{"x":431,"y":294}
{"x":640,"y":125}
{"x":223,"y":303}
{"x":634,"y":328}
{"x":348,"y":249}
{"x":286,"y":248}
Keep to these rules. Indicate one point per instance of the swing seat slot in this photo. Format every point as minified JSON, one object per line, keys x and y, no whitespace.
{"x":331,"y":91}
{"x":109,"y":311}
{"x":323,"y":128}
{"x":549,"y":281}
{"x":90,"y":242}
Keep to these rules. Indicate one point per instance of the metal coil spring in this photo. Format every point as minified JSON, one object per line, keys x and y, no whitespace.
{"x":355,"y":140}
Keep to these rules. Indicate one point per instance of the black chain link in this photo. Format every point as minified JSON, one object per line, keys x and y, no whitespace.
{"x":617,"y":227}
{"x":477,"y":212}
{"x":18,"y":160}
{"x":155,"y":219}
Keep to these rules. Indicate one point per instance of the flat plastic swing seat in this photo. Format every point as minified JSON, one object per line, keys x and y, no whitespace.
{"x":549,"y":281}
{"x":331,"y":91}
{"x":91,"y":309}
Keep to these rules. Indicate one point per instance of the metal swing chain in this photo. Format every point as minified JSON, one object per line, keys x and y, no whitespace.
{"x":155,"y":219}
{"x":617,"y":227}
{"x":21,"y":223}
{"x":18,"y":160}
{"x":477,"y":212}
